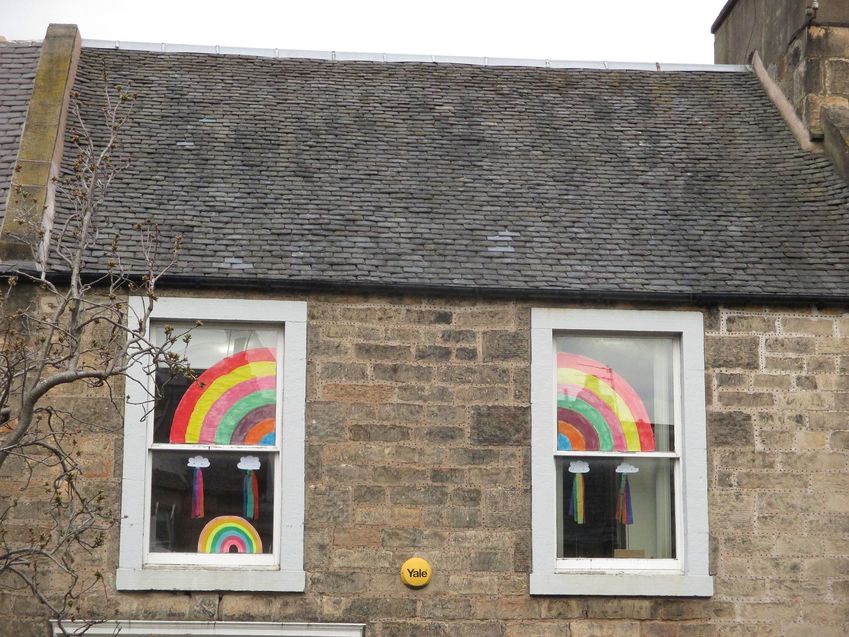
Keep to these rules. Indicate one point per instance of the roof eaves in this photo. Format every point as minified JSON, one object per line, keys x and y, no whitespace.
{"x":565,"y":295}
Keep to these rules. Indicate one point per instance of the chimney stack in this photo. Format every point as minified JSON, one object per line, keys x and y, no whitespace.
{"x":29,"y":208}
{"x":804,"y":45}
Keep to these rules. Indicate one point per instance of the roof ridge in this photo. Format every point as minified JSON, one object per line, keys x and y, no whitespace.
{"x":346,"y":56}
{"x":20,"y":43}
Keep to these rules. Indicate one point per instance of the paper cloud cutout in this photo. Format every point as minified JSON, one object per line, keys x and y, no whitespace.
{"x":248,"y":463}
{"x":626,"y":468}
{"x":198,"y":462}
{"x":579,"y":466}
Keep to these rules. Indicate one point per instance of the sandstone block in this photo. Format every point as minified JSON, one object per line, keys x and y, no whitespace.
{"x":338,"y":582}
{"x":368,"y":493}
{"x":732,"y":351}
{"x":383,"y":433}
{"x":377,"y":352}
{"x":443,"y":434}
{"x":355,"y":372}
{"x":429,"y":317}
{"x":500,"y":426}
{"x":812,"y":440}
{"x":505,"y":346}
{"x":465,"y":337}
{"x":728,"y":380}
{"x":446,"y":608}
{"x":835,"y":345}
{"x":411,"y":629}
{"x":424,"y":394}
{"x":771,"y":381}
{"x":357,"y":393}
{"x":491,"y":395}
{"x":809,"y":326}
{"x":466,"y":497}
{"x":821,"y":364}
{"x":829,"y":420}
{"x":418,"y":495}
{"x":474,"y":375}
{"x":600,"y":608}
{"x":771,"y":480}
{"x":745,"y":399}
{"x":730,"y":428}
{"x":604,"y":629}
{"x":658,"y":629}
{"x":768,"y":612}
{"x":402,"y":373}
{"x":371,"y":608}
{"x":361,"y":558}
{"x":774,"y":363}
{"x":476,"y":629}
{"x":486,"y":318}
{"x":761,"y":324}
{"x":433,"y":353}
{"x":839,"y":440}
{"x":793,"y":345}
{"x":538,"y":629}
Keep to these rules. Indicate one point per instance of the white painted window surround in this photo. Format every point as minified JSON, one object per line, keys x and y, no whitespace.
{"x":689,"y":576}
{"x":286,"y":573}
{"x":133,"y":628}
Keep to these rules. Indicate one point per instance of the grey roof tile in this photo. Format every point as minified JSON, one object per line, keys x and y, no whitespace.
{"x":402,"y":174}
{"x":17,"y":72}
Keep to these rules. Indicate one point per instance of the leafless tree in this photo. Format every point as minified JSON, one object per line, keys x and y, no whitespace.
{"x":60,"y":333}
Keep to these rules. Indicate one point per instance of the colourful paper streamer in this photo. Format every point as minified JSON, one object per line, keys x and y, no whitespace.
{"x":597,"y":409}
{"x":624,"y":512}
{"x":576,"y":502}
{"x":227,"y":532}
{"x":197,"y":493}
{"x":250,"y":489}
{"x":232,"y":402}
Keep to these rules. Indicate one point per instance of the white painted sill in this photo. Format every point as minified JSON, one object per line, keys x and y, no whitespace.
{"x":209,"y":579}
{"x":622,"y":584}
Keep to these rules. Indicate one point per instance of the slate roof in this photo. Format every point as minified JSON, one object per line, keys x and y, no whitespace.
{"x":477,"y":178}
{"x":17,"y":71}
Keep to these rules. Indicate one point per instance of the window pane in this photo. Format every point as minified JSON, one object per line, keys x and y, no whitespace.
{"x":614,"y":393}
{"x":232,"y":398}
{"x":237,"y":513}
{"x":625,"y":514}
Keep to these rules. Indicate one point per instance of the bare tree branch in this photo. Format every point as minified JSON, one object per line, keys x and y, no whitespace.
{"x":68,"y":336}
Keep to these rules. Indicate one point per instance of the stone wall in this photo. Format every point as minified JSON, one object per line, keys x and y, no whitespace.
{"x":418,"y":443}
{"x":807,"y":56}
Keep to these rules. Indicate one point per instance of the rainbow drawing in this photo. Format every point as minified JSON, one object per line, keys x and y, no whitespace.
{"x":597,"y":410}
{"x":222,"y":534}
{"x":233,"y":402}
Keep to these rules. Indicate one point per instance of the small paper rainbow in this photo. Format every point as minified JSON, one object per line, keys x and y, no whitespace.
{"x":597,"y":410}
{"x":222,"y":533}
{"x":232,"y":402}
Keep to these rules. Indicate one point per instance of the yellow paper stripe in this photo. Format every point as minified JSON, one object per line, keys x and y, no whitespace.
{"x":571,"y":376}
{"x":218,"y":387}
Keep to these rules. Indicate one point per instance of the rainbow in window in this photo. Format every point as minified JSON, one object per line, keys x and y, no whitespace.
{"x":232,"y":402}
{"x":597,"y":409}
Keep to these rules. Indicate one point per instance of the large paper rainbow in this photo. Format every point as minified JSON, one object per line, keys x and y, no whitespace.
{"x":232,"y":402}
{"x":228,"y":531}
{"x":597,"y":410}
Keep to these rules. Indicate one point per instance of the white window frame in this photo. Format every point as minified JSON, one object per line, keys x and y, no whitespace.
{"x":285,"y":570}
{"x":130,"y":628}
{"x":686,"y":575}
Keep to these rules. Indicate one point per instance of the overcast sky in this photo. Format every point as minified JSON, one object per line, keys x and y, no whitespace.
{"x":610,"y":30}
